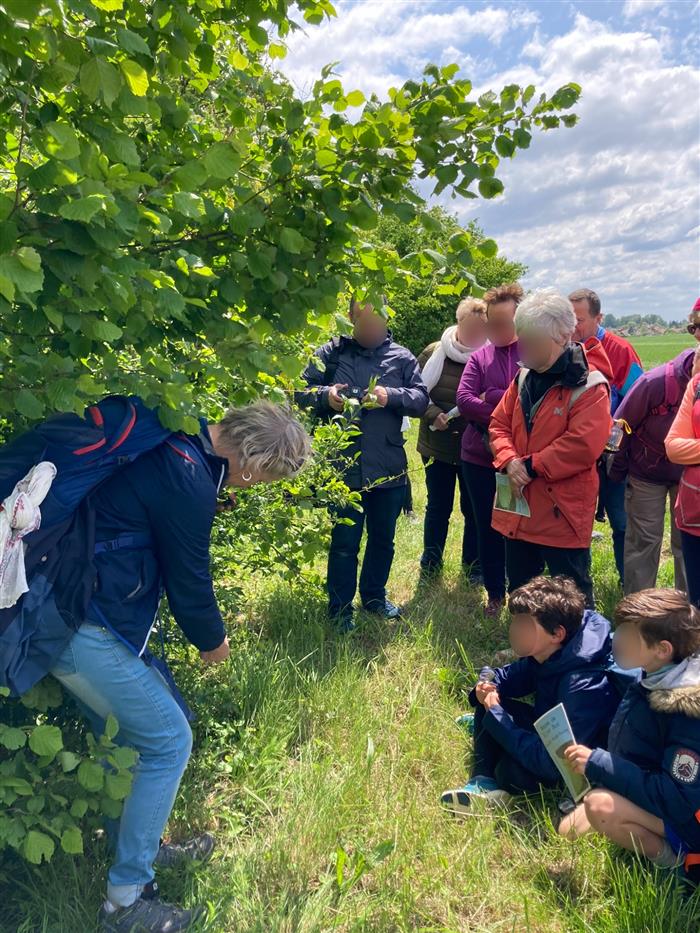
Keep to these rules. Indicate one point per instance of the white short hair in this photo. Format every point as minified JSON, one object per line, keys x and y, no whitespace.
{"x":548,"y":311}
{"x":266,"y":438}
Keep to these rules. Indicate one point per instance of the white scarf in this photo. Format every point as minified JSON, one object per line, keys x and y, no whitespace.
{"x":450,"y":347}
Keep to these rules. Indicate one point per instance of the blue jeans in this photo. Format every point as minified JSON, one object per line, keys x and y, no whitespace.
{"x":381,"y":508}
{"x":106,"y":677}
{"x":612,"y":499}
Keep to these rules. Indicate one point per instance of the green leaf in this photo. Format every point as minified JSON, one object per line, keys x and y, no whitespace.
{"x":28,"y":404}
{"x":109,"y":6}
{"x":136,"y":77}
{"x":111,"y":727}
{"x":222,"y":160}
{"x":91,"y":776}
{"x":355,"y":98}
{"x":132,"y":42}
{"x":118,"y":786}
{"x":490,"y":187}
{"x":7,"y":288}
{"x":488,"y":248}
{"x":69,"y":761}
{"x":189,"y":204}
{"x":79,"y":808}
{"x":72,"y":841}
{"x":61,"y":141}
{"x":99,"y":76}
{"x":291,"y":240}
{"x":12,"y":738}
{"x":83,"y":209}
{"x":521,"y":138}
{"x":46,"y":740}
{"x":37,"y":847}
{"x":277,"y":50}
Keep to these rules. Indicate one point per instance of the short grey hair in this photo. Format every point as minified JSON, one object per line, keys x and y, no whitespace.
{"x":266,"y":438}
{"x":548,"y":311}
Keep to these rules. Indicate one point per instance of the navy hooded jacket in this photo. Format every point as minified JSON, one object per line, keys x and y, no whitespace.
{"x":166,"y":500}
{"x":381,"y":443}
{"x":575,"y":676}
{"x":653,"y":756}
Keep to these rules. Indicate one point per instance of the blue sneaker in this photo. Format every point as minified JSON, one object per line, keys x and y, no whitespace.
{"x":466,"y":721}
{"x":386,"y":609}
{"x":458,"y":801}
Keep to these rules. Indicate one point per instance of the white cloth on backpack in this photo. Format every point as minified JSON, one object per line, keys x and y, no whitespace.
{"x":19,"y":515}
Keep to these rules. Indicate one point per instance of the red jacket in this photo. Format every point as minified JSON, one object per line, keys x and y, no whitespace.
{"x":566,"y":439}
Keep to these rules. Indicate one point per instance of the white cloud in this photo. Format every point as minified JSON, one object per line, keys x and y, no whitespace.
{"x":381,"y":42}
{"x":614,"y":202}
{"x":635,"y":7}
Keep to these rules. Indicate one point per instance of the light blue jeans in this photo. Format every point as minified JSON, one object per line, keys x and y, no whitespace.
{"x":106,"y":678}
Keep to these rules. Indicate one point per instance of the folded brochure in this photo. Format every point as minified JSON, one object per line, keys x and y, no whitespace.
{"x":554,"y":728}
{"x":506,"y":500}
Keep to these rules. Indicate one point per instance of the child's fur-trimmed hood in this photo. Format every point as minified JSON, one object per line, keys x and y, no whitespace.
{"x":679,"y":690}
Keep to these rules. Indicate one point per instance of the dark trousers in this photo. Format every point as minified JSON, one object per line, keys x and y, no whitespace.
{"x":440,"y":480}
{"x":381,"y":508}
{"x":481,"y":486}
{"x":525,"y":560}
{"x":691,"y":559}
{"x":611,"y":499}
{"x":492,"y":760}
{"x":407,"y":506}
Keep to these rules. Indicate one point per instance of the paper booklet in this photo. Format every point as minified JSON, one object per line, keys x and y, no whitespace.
{"x":555,"y":731}
{"x":506,"y":500}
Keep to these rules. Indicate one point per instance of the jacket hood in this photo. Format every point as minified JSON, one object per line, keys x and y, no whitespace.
{"x":576,"y":369}
{"x":590,"y":645}
{"x":679,"y":690}
{"x":597,"y":357}
{"x":683,"y":366}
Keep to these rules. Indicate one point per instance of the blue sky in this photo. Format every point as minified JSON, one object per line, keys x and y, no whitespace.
{"x":612,"y":204}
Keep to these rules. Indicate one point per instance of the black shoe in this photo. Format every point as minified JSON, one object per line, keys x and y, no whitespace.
{"x":198,"y":849}
{"x":149,"y":915}
{"x":386,"y":609}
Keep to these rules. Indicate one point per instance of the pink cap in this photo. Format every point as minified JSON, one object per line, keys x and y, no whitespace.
{"x":696,"y":306}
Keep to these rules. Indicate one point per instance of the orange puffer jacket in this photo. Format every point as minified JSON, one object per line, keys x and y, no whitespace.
{"x":569,"y":432}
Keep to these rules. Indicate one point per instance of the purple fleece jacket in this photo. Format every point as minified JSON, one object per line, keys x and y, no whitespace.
{"x":489,"y":372}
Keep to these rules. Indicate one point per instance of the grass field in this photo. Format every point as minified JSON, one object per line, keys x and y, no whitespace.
{"x":655,"y":350}
{"x":319,"y":761}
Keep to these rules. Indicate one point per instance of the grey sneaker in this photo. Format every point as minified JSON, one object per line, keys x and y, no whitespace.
{"x":149,"y":916}
{"x":198,"y":849}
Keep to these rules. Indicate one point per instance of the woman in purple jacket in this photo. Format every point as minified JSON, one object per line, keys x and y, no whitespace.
{"x":486,"y":377}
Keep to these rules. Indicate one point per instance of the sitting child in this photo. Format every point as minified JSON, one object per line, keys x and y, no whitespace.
{"x":564,"y":652}
{"x":648,"y":794}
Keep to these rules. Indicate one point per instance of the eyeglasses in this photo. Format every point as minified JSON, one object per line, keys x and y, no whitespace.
{"x":691,"y":328}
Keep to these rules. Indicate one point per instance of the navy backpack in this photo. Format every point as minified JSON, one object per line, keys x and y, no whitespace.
{"x":59,"y":554}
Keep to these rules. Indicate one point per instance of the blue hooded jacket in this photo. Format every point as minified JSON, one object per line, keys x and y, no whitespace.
{"x":575,"y":676}
{"x":653,"y":756}
{"x":166,"y":502}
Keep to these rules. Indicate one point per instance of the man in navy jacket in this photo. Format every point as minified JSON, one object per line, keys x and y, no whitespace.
{"x":378,"y":463}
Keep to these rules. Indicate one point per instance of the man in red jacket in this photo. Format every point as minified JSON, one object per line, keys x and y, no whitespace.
{"x":626,"y":368}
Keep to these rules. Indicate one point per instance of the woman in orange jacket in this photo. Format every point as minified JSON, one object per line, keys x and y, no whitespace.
{"x":683,"y":446}
{"x":546,"y":435}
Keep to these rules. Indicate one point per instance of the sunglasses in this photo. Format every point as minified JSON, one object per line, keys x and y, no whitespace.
{"x":691,"y":328}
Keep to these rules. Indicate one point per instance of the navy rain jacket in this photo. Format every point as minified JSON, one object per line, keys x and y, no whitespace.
{"x":575,"y":676}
